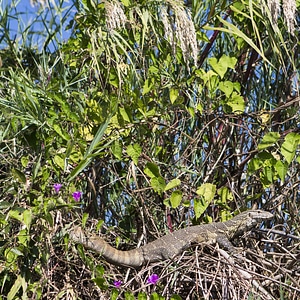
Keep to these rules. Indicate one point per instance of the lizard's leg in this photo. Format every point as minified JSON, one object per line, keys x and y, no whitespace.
{"x":225,"y":244}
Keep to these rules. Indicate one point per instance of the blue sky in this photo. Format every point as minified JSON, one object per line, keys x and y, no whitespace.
{"x":37,"y":23}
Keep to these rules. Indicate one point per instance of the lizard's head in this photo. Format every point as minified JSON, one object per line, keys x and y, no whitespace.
{"x":253,"y":217}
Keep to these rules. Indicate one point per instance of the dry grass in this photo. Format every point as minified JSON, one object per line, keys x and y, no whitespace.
{"x":269,"y":269}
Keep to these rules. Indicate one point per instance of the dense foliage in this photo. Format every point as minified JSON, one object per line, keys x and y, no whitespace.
{"x":151,"y":116}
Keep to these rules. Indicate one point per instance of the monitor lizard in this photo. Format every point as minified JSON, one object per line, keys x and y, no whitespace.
{"x":174,"y":243}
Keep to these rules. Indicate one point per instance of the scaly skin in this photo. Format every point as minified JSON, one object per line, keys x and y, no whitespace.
{"x":174,"y":243}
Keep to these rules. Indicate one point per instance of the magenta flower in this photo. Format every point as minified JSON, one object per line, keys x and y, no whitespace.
{"x":117,"y":283}
{"x":57,"y":187}
{"x":153,"y":279}
{"x":76,"y":195}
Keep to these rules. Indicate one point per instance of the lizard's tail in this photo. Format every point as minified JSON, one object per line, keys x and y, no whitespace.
{"x":132,"y":258}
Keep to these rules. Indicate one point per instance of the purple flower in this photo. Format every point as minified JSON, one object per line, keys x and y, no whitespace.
{"x":57,"y":187}
{"x":76,"y":195}
{"x":117,"y":283}
{"x":153,"y":279}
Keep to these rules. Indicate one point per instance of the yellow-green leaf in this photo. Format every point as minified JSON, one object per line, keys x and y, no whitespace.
{"x":23,"y":237}
{"x":176,"y":198}
{"x":147,"y":86}
{"x":125,"y":2}
{"x":172,"y":184}
{"x":289,"y":146}
{"x":207,"y":191}
{"x":117,"y":149}
{"x":151,"y":170}
{"x":281,"y":168}
{"x":158,"y":184}
{"x":236,"y":102}
{"x":20,"y":281}
{"x":223,"y":64}
{"x":24,"y":161}
{"x":27,"y":218}
{"x":17,"y":213}
{"x":226,"y":87}
{"x":124,"y":114}
{"x":225,"y":194}
{"x":59,"y":131}
{"x":134,"y":151}
{"x":59,"y":161}
{"x":268,"y":140}
{"x":200,"y":205}
{"x":173,"y":95}
{"x":84,"y":219}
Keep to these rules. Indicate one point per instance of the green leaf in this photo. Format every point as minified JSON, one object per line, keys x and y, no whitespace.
{"x":17,"y":213}
{"x":99,"y":224}
{"x":125,"y":2}
{"x":59,"y":131}
{"x":268,"y":140}
{"x":265,"y":156}
{"x":167,"y":202}
{"x":200,"y":205}
{"x":18,"y":175}
{"x":191,"y":111}
{"x":118,"y":241}
{"x":207,"y":191}
{"x":226,"y":87}
{"x":23,"y":237}
{"x":225,"y":194}
{"x":24,"y":161}
{"x":147,"y":86}
{"x":236,"y":102}
{"x":223,"y":64}
{"x":100,"y":270}
{"x":173,"y":95}
{"x":175,"y":297}
{"x":151,"y":170}
{"x":101,"y":283}
{"x":84,"y":219}
{"x":281,"y":168}
{"x":172,"y":184}
{"x":116,"y":149}
{"x":134,"y":151}
{"x":129,"y":296}
{"x":155,"y":296}
{"x":20,"y":281}
{"x":158,"y":184}
{"x":113,"y":79}
{"x":186,"y":203}
{"x":289,"y":146}
{"x":10,"y":255}
{"x":59,"y":161}
{"x":27,"y":218}
{"x":200,"y":108}
{"x":142,"y":296}
{"x":37,"y":166}
{"x":210,"y":77}
{"x":124,"y":114}
{"x":114,"y":294}
{"x":98,"y":137}
{"x":88,"y":157}
{"x":176,"y":198}
{"x":266,"y":176}
{"x":5,"y":204}
{"x":81,"y":252}
{"x":220,"y":69}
